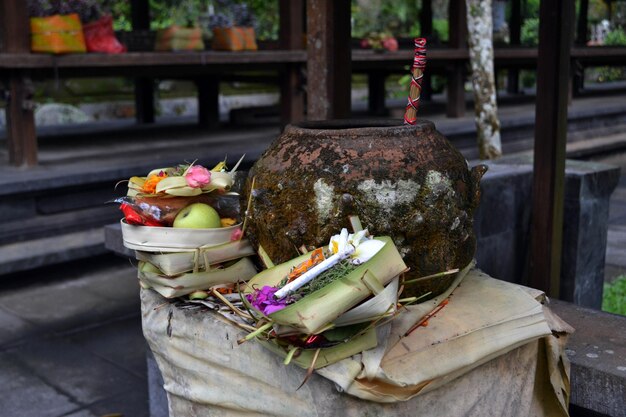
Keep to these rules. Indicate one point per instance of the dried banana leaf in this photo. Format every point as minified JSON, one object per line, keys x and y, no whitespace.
{"x":382,"y":305}
{"x":171,"y":287}
{"x":329,"y":355}
{"x":180,"y":262}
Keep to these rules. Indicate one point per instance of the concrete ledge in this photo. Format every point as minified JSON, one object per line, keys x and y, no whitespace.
{"x":597,"y":352}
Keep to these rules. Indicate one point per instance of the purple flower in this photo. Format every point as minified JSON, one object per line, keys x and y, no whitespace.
{"x":264,"y":300}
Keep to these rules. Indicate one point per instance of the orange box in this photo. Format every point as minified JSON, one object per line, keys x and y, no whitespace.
{"x":177,"y":38}
{"x":234,"y":38}
{"x":58,"y":34}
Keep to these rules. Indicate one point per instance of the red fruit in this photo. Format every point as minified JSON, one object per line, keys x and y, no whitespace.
{"x":390,"y":44}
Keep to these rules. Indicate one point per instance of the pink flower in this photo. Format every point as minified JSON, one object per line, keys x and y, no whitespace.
{"x":390,"y":44}
{"x":236,"y":235}
{"x":365,"y":43}
{"x":264,"y":300}
{"x":198,"y":176}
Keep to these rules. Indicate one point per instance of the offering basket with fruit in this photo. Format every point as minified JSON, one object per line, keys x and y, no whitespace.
{"x":183,"y":223}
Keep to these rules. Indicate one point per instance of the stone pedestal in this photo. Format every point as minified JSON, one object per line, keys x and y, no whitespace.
{"x":502,"y":225}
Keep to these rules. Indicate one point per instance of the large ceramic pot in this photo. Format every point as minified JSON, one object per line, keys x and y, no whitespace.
{"x":407,"y":182}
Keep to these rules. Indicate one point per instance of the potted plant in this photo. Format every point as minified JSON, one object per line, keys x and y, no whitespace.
{"x":233,"y":30}
{"x":71,"y":26}
{"x":184,"y":34}
{"x":56,"y":27}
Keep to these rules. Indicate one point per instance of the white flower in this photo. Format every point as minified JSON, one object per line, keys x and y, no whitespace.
{"x":364,"y":247}
{"x":366,"y":251}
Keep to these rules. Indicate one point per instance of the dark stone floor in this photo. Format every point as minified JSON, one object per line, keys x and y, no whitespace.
{"x":73,"y":346}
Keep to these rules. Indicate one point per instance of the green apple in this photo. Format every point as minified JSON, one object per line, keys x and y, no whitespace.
{"x":197,"y":216}
{"x":198,"y":295}
{"x":148,"y":267}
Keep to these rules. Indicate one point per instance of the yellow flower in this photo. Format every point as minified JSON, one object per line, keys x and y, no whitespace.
{"x":227,"y":221}
{"x":149,"y":187}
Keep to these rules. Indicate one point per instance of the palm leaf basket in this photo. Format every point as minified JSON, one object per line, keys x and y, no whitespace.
{"x":319,"y":310}
{"x":177,"y":286}
{"x":172,"y":239}
{"x":178,"y":261}
{"x":203,"y":258}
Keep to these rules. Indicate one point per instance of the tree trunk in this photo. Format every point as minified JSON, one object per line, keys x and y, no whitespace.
{"x":480,"y":28}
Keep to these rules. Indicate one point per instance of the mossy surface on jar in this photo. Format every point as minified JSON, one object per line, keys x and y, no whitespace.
{"x":407,"y":182}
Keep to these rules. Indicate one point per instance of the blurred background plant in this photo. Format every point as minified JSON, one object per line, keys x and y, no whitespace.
{"x":261,"y":14}
{"x":614,"y":297}
{"x":87,"y":10}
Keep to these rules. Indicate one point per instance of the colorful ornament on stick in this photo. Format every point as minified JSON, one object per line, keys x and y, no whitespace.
{"x":415,"y":91}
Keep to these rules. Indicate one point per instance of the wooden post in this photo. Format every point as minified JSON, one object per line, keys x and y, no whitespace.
{"x":291,"y":36}
{"x":208,"y":101}
{"x":376,"y":93}
{"x":328,"y":59}
{"x":144,"y":87}
{"x":457,"y":22}
{"x":515,"y":29}
{"x":582,"y":34}
{"x":556,"y":18}
{"x":21,"y":134}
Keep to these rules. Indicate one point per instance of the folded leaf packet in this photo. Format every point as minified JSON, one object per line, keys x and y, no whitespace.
{"x":318,"y":310}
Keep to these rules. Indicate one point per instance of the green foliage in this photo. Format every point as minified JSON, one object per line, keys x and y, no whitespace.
{"x":530,"y":32}
{"x":597,"y":11}
{"x":440,"y":27}
{"x":531,"y":9}
{"x":165,"y":13}
{"x":120,"y":10}
{"x":398,"y":17}
{"x":616,"y":37}
{"x":529,"y":78}
{"x":614,"y":298}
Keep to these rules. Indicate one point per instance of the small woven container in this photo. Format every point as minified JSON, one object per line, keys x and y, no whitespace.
{"x":172,"y":239}
{"x":182,"y":261}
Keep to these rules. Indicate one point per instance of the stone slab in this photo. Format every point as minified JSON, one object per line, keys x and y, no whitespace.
{"x":616,"y":251}
{"x":32,"y":254}
{"x":23,"y":393}
{"x":113,"y":241}
{"x":133,"y":403}
{"x":89,"y":298}
{"x":15,"y":329}
{"x":120,"y":342}
{"x":597,"y":351}
{"x":82,"y":376}
{"x":617,"y":212}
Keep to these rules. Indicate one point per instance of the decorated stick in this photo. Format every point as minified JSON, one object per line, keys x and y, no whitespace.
{"x":415,"y":91}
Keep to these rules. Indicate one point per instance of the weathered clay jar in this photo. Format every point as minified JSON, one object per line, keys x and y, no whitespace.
{"x":407,"y":182}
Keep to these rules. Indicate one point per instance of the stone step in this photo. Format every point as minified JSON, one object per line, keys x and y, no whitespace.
{"x":616,"y":246}
{"x":43,"y":226}
{"x":31,"y":254}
